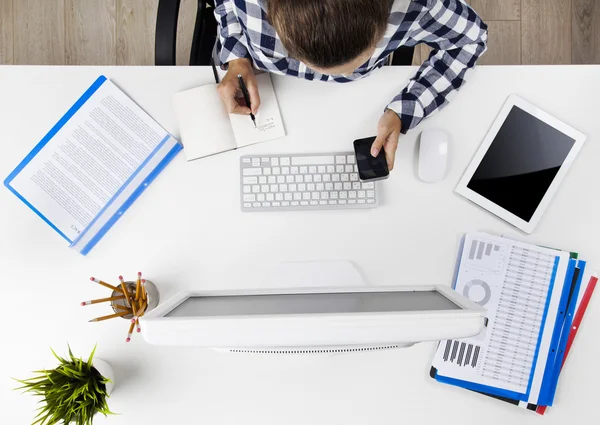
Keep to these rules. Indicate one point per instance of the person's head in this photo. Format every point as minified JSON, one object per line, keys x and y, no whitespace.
{"x":331,"y":36}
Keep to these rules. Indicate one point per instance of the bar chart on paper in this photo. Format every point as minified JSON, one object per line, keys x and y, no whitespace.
{"x":512,"y":282}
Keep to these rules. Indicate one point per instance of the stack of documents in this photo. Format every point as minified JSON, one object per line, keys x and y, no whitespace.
{"x":92,"y":165}
{"x":535,"y":299}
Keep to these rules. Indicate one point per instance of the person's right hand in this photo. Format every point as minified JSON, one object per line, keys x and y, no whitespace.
{"x":229,"y":88}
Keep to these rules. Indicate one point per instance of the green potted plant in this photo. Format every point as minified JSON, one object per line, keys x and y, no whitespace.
{"x":73,"y":392}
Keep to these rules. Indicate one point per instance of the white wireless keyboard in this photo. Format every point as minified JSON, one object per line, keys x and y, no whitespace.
{"x":303,"y":182}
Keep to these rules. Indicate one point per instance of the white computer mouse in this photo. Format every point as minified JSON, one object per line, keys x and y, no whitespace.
{"x":433,"y":155}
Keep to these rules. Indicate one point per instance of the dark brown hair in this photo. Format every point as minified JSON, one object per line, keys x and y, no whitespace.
{"x":328,"y":33}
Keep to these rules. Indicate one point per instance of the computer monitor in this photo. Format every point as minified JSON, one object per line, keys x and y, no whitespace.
{"x":313,"y":320}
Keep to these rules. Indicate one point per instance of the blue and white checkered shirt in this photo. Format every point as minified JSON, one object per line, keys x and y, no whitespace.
{"x":456,"y":33}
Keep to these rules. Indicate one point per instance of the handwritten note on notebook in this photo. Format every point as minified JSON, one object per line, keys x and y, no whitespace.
{"x":207,"y":129}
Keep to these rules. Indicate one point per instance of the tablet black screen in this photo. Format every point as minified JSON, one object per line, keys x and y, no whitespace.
{"x":520,"y":164}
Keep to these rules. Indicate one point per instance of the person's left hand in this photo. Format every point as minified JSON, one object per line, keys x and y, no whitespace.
{"x":388,"y":132}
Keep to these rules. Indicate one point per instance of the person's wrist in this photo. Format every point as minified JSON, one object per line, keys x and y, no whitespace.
{"x":394,"y":117}
{"x":239,"y":64}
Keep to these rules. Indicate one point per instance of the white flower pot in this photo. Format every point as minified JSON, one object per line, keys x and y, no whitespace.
{"x":107,"y":371}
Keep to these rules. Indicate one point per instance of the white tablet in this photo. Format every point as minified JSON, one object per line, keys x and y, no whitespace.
{"x":520,"y":163}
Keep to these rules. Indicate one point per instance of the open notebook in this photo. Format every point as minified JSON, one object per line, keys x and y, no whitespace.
{"x":207,"y":129}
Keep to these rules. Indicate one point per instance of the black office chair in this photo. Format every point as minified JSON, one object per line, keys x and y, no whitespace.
{"x":205,"y":35}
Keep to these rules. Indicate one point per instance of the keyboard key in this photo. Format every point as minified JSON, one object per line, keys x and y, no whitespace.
{"x":292,"y":187}
{"x":333,"y":195}
{"x":260,"y":197}
{"x":264,"y":160}
{"x":370,"y":201}
{"x":370,"y":193}
{"x":345,"y":177}
{"x":352,"y":194}
{"x":326,"y":177}
{"x":343,"y":195}
{"x":317,"y":178}
{"x":287,"y":196}
{"x":362,"y":201}
{"x":347,"y":186}
{"x":274,"y":162}
{"x":274,"y":188}
{"x":353,"y":177}
{"x":306,"y":196}
{"x":301,"y":187}
{"x":285,"y":170}
{"x":294,"y":170}
{"x":308,"y":178}
{"x":328,"y":186}
{"x":339,"y":168}
{"x":356,"y":185}
{"x":340,"y":159}
{"x":276,"y":171}
{"x":249,"y":198}
{"x":279,"y":196}
{"x":283,"y":187}
{"x":342,"y":202}
{"x":352,"y":201}
{"x":312,"y":169}
{"x":321,"y":169}
{"x":310,"y":187}
{"x":314,"y":203}
{"x":289,"y":179}
{"x":284,"y":161}
{"x":264,"y":188}
{"x":332,"y":202}
{"x":262,"y":180}
{"x":247,"y":205}
{"x":303,"y":169}
{"x":266,"y":204}
{"x":304,"y":203}
{"x":356,"y":168}
{"x":256,"y":161}
{"x":299,"y":178}
{"x":280,"y":179}
{"x":252,"y":171}
{"x":348,"y":168}
{"x":285,"y":204}
{"x":255,"y":188}
{"x":270,"y":197}
{"x":256,"y":204}
{"x":335,"y":177}
{"x":267,"y":171}
{"x":247,"y":189}
{"x":322,"y":202}
{"x":361,"y":194}
{"x":312,"y":160}
{"x":325,"y":195}
{"x":368,"y":185}
{"x":350,"y":159}
{"x":246,"y":160}
{"x":272,"y":179}
{"x":297,"y":196}
{"x":320,"y":186}
{"x":250,"y":180}
{"x":330,"y":169}
{"x":276,"y":204}
{"x":337,"y":186}
{"x":315,"y":195}
{"x":295,"y":203}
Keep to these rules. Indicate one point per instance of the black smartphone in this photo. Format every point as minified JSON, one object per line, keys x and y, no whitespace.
{"x":369,"y":167}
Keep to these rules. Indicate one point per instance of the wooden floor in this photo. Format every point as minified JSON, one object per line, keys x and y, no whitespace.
{"x":121,"y":32}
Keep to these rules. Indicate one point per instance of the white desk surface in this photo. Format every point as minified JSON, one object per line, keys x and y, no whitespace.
{"x":187,"y":232}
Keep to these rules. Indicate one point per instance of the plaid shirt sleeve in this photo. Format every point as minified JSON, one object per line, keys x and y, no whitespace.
{"x":230,"y":44}
{"x":458,"y":37}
